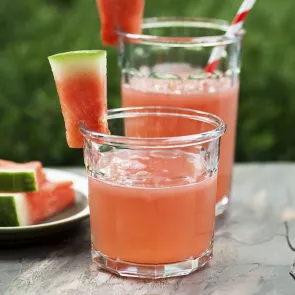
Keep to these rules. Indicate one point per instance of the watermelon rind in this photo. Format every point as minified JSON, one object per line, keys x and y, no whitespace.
{"x":13,"y":210}
{"x":68,"y":63}
{"x":18,"y":181}
{"x":76,"y":55}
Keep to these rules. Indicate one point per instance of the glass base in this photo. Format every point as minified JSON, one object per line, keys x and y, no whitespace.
{"x":222,"y":206}
{"x":152,"y":271}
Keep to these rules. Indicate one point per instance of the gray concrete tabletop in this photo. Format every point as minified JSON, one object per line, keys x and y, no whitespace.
{"x":254,"y":250}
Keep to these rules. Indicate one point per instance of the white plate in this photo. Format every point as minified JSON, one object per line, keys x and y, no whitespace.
{"x":58,"y":222}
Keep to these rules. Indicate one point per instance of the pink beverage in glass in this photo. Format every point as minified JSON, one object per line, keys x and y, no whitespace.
{"x":222,"y":102}
{"x":163,"y":218}
{"x":160,"y":71}
{"x":152,"y":200}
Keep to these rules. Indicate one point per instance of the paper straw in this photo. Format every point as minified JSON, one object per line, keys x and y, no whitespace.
{"x":232,"y":30}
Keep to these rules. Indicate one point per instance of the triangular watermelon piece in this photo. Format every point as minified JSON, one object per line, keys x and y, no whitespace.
{"x":125,"y":15}
{"x":80,"y":78}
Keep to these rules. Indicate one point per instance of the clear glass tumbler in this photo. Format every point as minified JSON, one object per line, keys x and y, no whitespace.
{"x":165,"y":67}
{"x":152,"y":197}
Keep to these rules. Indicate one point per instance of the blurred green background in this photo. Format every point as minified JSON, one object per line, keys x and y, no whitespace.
{"x":31,"y":124}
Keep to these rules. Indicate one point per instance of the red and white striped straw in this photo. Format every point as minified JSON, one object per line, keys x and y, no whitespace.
{"x":233,"y":29}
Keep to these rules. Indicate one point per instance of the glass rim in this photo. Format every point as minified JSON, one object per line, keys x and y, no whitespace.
{"x":218,"y":128}
{"x":204,"y":41}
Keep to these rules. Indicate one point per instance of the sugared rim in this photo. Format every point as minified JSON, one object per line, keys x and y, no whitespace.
{"x":206,"y":41}
{"x":218,"y":128}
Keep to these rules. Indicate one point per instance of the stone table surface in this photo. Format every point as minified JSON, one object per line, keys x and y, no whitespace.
{"x":253,"y":252}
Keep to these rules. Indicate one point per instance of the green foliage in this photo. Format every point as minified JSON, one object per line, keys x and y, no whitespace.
{"x":31,"y":124}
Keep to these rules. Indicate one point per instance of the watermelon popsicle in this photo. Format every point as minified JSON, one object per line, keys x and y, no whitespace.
{"x":119,"y":14}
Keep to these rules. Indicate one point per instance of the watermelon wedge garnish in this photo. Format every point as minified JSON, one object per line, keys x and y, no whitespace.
{"x":125,"y":15}
{"x":80,"y":78}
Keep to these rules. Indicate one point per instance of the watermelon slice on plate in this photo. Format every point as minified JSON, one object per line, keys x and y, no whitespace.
{"x":21,"y":177}
{"x":125,"y":15}
{"x":22,"y":209}
{"x":80,"y":78}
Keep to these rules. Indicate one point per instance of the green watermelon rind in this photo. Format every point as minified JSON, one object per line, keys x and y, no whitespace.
{"x":77,"y":55}
{"x":18,"y":181}
{"x":9,"y":211}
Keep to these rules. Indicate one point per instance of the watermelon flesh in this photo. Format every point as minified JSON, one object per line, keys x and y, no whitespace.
{"x":125,"y":15}
{"x":21,"y":177}
{"x":53,"y":198}
{"x":22,"y":209}
{"x":80,"y":79}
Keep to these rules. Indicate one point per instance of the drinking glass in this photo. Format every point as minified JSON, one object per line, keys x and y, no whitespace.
{"x":152,"y":194}
{"x":165,"y":67}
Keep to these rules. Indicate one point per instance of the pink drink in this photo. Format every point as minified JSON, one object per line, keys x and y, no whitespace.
{"x":152,"y":207}
{"x":152,"y":200}
{"x":219,"y":97}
